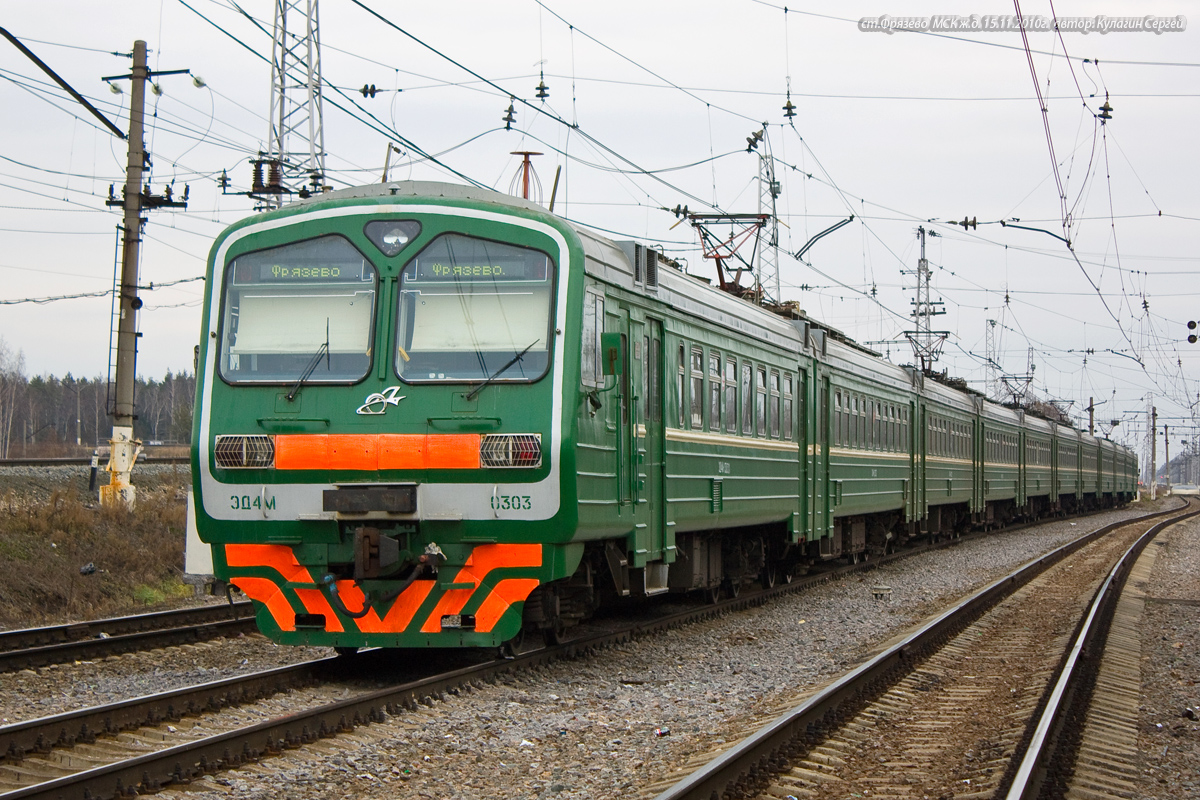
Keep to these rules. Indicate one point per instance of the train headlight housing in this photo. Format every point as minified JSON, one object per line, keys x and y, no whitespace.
{"x":511,"y":450}
{"x":245,"y":452}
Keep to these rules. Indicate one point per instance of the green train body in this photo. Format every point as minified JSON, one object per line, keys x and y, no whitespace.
{"x":437,"y":416}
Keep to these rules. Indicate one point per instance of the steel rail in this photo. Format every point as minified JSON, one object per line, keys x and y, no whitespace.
{"x":1041,"y":757}
{"x":33,"y":647}
{"x":151,"y":772}
{"x":85,"y":461}
{"x":766,"y":751}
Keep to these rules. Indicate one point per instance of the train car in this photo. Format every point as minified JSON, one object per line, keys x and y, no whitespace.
{"x":1069,"y":476}
{"x":1036,"y":470}
{"x":952,"y":499}
{"x":871,"y":451}
{"x":437,"y":416}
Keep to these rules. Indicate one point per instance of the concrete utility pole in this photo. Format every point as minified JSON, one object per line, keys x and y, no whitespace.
{"x":1153,"y":453}
{"x":1167,"y":456}
{"x":125,"y":449}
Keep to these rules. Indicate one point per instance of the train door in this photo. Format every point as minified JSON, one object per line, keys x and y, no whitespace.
{"x":804,"y":439}
{"x":651,"y":441}
{"x":920,"y":443}
{"x":618,"y":410}
{"x":641,"y":440}
{"x":979,"y":504}
{"x":820,"y":521}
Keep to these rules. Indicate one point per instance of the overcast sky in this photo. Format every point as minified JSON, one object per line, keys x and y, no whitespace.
{"x":897,"y":129}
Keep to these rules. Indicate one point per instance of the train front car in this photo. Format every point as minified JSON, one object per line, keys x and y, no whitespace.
{"x":378,"y":452}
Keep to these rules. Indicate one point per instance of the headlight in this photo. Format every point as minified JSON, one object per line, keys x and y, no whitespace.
{"x":511,"y":450}
{"x":245,"y":452}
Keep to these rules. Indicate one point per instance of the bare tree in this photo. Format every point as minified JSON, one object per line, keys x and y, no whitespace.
{"x":12,"y":386}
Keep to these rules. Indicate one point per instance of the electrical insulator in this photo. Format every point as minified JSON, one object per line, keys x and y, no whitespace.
{"x":543,"y":91}
{"x":789,"y":110}
{"x":1191,"y":327}
{"x":368,"y":90}
{"x":510,"y":116}
{"x":274,"y":174}
{"x":223,"y":181}
{"x":1105,"y":110}
{"x":258,"y":175}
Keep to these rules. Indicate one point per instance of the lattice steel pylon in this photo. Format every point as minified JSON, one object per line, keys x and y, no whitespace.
{"x":296,"y":141}
{"x":926,"y":343}
{"x":767,"y":268}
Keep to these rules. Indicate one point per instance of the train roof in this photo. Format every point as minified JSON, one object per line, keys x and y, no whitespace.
{"x":611,"y":261}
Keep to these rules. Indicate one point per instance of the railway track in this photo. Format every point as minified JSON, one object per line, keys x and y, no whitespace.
{"x":148,"y":743}
{"x":86,"y":461}
{"x":946,"y":712}
{"x":35,"y":647}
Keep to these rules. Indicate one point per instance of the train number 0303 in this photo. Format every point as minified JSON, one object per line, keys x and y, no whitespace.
{"x":512,"y":502}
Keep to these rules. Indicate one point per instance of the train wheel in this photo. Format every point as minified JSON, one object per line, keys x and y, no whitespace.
{"x":733,"y":588}
{"x":557,"y":634}
{"x":514,"y":646}
{"x":770,"y":576}
{"x":713,"y":594}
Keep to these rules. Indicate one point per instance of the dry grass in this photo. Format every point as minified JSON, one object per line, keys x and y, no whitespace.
{"x":138,"y":556}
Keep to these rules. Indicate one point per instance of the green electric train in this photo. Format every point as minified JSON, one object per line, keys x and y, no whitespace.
{"x":431,"y":415}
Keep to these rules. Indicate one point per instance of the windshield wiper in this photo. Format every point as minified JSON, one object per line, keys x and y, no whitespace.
{"x":323,"y":350}
{"x":500,"y":371}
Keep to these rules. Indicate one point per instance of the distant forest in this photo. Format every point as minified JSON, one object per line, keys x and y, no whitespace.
{"x":49,"y":416}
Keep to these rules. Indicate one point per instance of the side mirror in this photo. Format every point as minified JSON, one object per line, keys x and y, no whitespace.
{"x":612,"y":348}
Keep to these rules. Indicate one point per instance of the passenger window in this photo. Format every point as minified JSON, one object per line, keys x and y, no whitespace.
{"x":714,"y":391}
{"x":774,"y":405}
{"x":787,"y":407}
{"x":593,"y":322}
{"x":760,"y":402}
{"x":747,"y":400}
{"x":697,"y":389}
{"x":731,"y":396}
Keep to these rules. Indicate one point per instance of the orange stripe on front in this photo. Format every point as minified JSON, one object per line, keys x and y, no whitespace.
{"x":315,"y":602}
{"x":278,"y":557}
{"x":483,"y":560}
{"x":265,"y":591}
{"x":370,"y":452}
{"x":507,"y":592}
{"x":282,"y":559}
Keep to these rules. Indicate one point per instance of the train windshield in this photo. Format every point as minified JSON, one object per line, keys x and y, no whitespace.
{"x":474,"y":310}
{"x":291,"y":306}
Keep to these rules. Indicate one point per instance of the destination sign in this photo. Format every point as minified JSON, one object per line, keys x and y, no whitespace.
{"x":454,"y":257}
{"x":330,"y":259}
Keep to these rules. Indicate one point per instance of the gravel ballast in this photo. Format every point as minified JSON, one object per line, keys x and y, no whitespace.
{"x":631,"y":718}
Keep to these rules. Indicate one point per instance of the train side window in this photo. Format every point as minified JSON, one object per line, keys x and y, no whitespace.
{"x":697,"y":407}
{"x":654,"y":390}
{"x":593,"y":317}
{"x":849,"y":419}
{"x":731,"y":396}
{"x":747,"y":400}
{"x":838,"y":419}
{"x":680,"y":397}
{"x":774,"y":405}
{"x":879,"y":426}
{"x":760,"y":402}
{"x":787,"y":407}
{"x":714,"y":391}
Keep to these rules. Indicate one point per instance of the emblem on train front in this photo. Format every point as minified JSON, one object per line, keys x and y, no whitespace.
{"x":381,"y":399}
